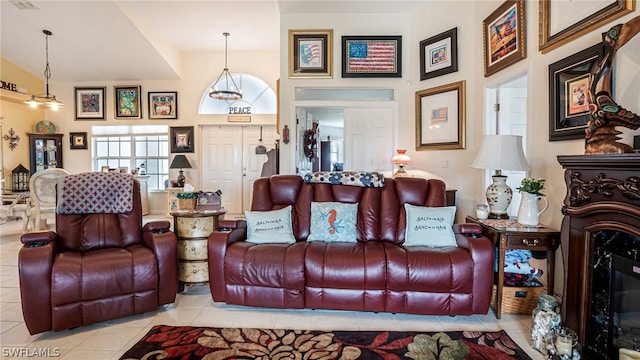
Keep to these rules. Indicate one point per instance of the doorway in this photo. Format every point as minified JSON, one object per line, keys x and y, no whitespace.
{"x":230,"y":162}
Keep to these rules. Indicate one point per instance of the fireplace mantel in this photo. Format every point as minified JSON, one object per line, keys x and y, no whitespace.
{"x":603,"y":194}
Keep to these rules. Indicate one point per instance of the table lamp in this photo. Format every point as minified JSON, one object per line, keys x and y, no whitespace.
{"x":180,"y":162}
{"x":500,"y":152}
{"x":401,"y":159}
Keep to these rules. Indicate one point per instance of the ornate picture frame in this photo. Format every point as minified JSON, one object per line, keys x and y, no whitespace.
{"x":310,"y":53}
{"x":127,"y":102}
{"x":441,"y":117}
{"x":504,"y":37}
{"x":583,"y":17}
{"x":439,"y":54}
{"x":569,"y":81}
{"x":78,"y":140}
{"x":371,"y":56}
{"x":89,"y":102}
{"x":162,"y":104}
{"x":182,"y":140}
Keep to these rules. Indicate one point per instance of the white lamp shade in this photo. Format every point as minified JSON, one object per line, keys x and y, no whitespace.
{"x":501,"y":152}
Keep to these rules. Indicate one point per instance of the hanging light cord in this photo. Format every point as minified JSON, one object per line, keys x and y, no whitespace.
{"x":47,"y":69}
{"x":230,"y":93}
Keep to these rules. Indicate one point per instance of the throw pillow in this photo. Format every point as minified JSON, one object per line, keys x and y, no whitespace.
{"x":264,"y":227}
{"x":429,"y":226}
{"x":333,"y":222}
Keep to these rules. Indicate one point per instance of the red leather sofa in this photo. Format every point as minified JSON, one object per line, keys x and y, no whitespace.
{"x":377,"y":273}
{"x":96,"y":267}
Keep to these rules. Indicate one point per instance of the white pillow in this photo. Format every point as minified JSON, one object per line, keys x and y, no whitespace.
{"x":429,"y":226}
{"x":333,"y":222}
{"x":264,"y":227}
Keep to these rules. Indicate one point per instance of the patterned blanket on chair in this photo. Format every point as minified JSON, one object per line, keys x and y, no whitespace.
{"x":353,"y":178}
{"x":95,"y":193}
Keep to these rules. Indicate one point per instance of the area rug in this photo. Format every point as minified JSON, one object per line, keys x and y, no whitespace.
{"x":187,"y":342}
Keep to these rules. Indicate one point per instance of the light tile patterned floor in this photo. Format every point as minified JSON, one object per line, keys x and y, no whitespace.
{"x":110,"y":339}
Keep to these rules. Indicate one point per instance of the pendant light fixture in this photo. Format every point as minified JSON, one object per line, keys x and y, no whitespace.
{"x":47,"y":98}
{"x":225,"y":88}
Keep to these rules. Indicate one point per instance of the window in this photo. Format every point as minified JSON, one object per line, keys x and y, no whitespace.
{"x":143,"y":147}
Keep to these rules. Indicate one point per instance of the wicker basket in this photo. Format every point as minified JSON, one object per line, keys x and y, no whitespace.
{"x":518,"y":300}
{"x":187,"y":204}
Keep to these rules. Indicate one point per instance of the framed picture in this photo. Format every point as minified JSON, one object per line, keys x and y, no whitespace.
{"x":77,"y":140}
{"x":439,"y":54}
{"x":89,"y":102}
{"x":105,"y":169}
{"x":441,"y":117}
{"x":504,"y":39}
{"x":127,"y":102}
{"x":310,"y":53}
{"x":569,"y":82}
{"x":123,"y":169}
{"x":371,"y":56}
{"x":163,"y":105}
{"x":182,"y":139}
{"x":584,"y":16}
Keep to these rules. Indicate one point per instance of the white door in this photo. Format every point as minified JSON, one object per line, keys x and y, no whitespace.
{"x":230,"y":163}
{"x":368,"y":134}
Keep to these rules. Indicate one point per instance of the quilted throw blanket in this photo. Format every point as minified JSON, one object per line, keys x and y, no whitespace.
{"x":353,"y":178}
{"x":95,"y":193}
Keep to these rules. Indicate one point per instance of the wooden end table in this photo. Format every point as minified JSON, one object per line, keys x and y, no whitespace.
{"x":192,"y":228}
{"x":508,"y":234}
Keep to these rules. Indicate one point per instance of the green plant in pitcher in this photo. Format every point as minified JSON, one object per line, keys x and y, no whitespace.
{"x":532,"y":186}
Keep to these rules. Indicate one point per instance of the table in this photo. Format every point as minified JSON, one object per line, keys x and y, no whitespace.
{"x":508,"y":234}
{"x":192,"y":228}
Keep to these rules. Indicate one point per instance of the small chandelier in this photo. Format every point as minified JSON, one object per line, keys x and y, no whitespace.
{"x":46,"y":98}
{"x":223,"y":89}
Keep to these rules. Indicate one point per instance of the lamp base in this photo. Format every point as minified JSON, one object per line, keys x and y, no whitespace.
{"x":181,"y":179}
{"x":499,"y":196}
{"x":401,"y":172}
{"x":498,"y":216}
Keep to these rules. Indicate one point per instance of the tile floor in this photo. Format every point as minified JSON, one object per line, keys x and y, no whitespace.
{"x":109,"y":340}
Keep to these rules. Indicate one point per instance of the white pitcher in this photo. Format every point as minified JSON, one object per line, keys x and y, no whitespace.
{"x":528,"y":213}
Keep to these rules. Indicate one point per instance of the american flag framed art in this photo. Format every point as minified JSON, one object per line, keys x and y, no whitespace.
{"x":371,"y":56}
{"x":441,"y":117}
{"x":310,"y":53}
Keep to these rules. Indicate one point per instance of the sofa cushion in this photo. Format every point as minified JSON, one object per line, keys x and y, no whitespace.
{"x":270,"y":226}
{"x":430,"y":226}
{"x":333,"y":222}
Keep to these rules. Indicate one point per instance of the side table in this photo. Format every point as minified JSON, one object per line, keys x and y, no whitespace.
{"x":508,"y":234}
{"x":192,"y":228}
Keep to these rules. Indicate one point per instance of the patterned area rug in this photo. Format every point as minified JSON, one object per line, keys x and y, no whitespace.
{"x":187,"y":342}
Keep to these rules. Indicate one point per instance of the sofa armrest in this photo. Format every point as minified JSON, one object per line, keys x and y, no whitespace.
{"x":164,"y":245}
{"x":159,"y":226}
{"x":229,"y":231}
{"x":469,"y":236}
{"x":35,"y":263}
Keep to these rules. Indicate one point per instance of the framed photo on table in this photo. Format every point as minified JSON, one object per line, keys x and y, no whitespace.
{"x":569,"y":82}
{"x":441,"y":117}
{"x":504,"y":38}
{"x":163,"y":105}
{"x":310,"y":53}
{"x":439,"y":54}
{"x":127,"y":102}
{"x":371,"y":56}
{"x":89,"y":103}
{"x":584,"y":16}
{"x":182,"y":139}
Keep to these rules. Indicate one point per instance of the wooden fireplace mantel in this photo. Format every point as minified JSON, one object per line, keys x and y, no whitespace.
{"x":603,"y":193}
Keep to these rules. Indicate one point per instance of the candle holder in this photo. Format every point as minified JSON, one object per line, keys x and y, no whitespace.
{"x":564,"y":342}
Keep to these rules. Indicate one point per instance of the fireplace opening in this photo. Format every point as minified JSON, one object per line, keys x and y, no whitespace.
{"x":624,"y":327}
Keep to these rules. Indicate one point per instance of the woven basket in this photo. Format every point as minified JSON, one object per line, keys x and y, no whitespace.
{"x":187,"y":204}
{"x":518,"y":300}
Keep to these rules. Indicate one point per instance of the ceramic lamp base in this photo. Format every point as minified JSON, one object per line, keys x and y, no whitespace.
{"x":499,"y":196}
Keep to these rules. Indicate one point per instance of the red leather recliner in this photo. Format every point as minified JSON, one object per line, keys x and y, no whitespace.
{"x":96,"y":267}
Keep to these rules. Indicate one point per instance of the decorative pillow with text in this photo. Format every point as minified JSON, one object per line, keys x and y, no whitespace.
{"x":429,"y":226}
{"x":333,"y":222}
{"x":264,"y":227}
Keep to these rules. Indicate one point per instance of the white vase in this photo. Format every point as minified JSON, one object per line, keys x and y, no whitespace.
{"x":499,"y":196}
{"x":528,"y":213}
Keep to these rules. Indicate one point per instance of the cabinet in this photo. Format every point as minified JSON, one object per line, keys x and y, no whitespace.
{"x":507,"y":234}
{"x":45,"y":151}
{"x":173,"y":198}
{"x":192,"y":228}
{"x":144,"y":193}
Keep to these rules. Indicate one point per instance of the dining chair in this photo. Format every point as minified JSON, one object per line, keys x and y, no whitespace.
{"x":42,"y":196}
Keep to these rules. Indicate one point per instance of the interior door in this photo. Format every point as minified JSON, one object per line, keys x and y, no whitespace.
{"x":368,"y":138}
{"x":222,"y":164}
{"x":252,"y":162}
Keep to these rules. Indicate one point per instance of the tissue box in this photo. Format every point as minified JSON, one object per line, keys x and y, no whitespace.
{"x":208,"y":200}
